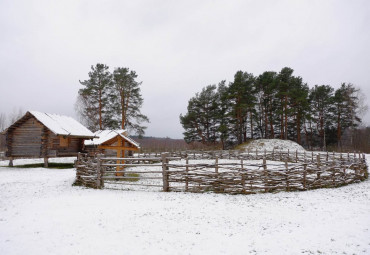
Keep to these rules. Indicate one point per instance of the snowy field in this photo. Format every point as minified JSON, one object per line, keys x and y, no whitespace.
{"x":42,"y":213}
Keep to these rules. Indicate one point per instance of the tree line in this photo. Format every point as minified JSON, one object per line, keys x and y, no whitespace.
{"x":111,"y":100}
{"x":272,"y":105}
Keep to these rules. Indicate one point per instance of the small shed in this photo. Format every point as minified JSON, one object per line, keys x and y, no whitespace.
{"x":112,"y":142}
{"x":44,"y":135}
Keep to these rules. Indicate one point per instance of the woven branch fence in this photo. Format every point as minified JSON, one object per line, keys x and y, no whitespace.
{"x":240,"y":173}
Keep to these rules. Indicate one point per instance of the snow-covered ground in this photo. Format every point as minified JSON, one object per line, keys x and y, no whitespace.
{"x":271,"y":144}
{"x":42,"y":213}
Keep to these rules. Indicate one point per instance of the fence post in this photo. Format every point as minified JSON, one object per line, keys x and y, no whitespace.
{"x":288,"y":155}
{"x":287,"y":175}
{"x":304,"y":174}
{"x":165,"y":172}
{"x":265,"y":174}
{"x":216,"y":165}
{"x":281,"y":157}
{"x":187,"y":172}
{"x":98,"y":173}
{"x":243,"y":176}
{"x":296,"y":156}
{"x":318,"y":165}
{"x":46,"y":162}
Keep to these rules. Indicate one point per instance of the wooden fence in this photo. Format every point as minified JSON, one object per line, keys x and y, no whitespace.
{"x":227,"y":172}
{"x":276,"y":155}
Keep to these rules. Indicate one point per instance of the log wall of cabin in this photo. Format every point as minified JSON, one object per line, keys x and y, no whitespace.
{"x":55,"y":148}
{"x":24,"y":140}
{"x":2,"y":142}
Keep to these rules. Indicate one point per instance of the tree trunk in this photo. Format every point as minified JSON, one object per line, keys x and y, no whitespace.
{"x":282,"y":122}
{"x":251,"y":120}
{"x":299,"y":128}
{"x":322,"y":130}
{"x":266,"y":123}
{"x":100,"y":111}
{"x":286,"y":118}
{"x":339,"y":131}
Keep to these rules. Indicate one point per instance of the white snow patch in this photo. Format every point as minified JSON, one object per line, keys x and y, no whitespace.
{"x":272,"y":144}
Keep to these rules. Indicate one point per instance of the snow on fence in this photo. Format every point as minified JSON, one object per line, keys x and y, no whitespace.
{"x":241,"y":173}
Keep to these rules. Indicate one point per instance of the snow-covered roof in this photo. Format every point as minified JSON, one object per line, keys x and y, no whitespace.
{"x":62,"y":125}
{"x":106,"y":135}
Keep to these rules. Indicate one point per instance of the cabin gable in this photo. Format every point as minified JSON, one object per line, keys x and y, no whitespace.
{"x":24,"y":138}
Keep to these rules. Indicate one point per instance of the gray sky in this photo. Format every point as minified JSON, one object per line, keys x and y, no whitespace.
{"x":176,"y":48}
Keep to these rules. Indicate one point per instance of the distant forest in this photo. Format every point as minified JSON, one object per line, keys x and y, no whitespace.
{"x":276,"y":105}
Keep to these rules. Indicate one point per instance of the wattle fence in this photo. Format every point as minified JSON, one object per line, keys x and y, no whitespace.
{"x":233,"y":172}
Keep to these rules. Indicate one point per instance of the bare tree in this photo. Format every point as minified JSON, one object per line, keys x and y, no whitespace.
{"x":3,"y":122}
{"x":85,"y":114}
{"x":15,"y":115}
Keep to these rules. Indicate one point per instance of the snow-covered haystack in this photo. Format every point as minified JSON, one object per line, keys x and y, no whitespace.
{"x":271,"y":144}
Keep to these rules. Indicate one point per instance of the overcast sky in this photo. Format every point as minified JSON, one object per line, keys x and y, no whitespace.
{"x":176,"y":48}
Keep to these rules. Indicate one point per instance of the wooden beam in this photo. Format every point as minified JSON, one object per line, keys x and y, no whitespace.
{"x":120,"y":145}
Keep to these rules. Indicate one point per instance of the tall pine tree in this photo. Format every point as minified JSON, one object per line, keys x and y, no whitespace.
{"x":95,"y":97}
{"x":127,"y":101}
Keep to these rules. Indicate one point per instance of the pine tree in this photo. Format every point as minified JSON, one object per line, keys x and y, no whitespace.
{"x":223,"y":111}
{"x":95,"y":97}
{"x":346,"y":106}
{"x":200,"y":122}
{"x":266,"y":87}
{"x":242,"y":98}
{"x":321,"y":98}
{"x":299,"y":105}
{"x":127,"y":101}
{"x":283,"y":85}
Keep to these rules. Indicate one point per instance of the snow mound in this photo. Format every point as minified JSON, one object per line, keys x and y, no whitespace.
{"x":271,"y":144}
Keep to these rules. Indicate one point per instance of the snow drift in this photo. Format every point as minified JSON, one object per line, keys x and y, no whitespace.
{"x":271,"y":144}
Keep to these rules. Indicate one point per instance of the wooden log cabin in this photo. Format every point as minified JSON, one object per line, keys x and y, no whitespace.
{"x":112,"y":143}
{"x":43,"y":135}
